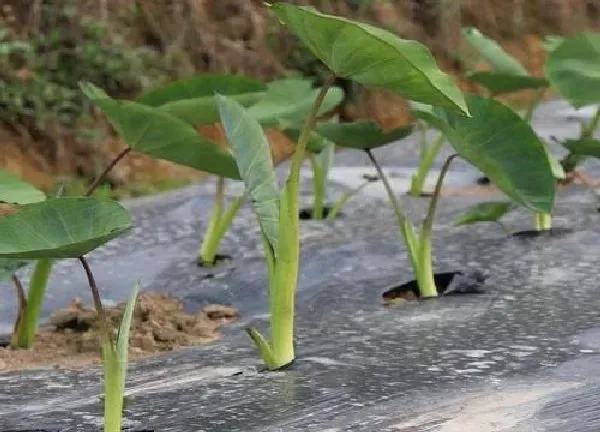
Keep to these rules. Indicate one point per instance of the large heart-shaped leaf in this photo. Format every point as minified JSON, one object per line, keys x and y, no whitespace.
{"x":148,"y":130}
{"x":493,"y":53}
{"x":504,"y":147}
{"x":573,"y":68}
{"x":61,"y":228}
{"x":252,"y":153}
{"x":500,"y":83}
{"x":372,"y":56}
{"x":291,"y":100}
{"x":201,"y":86}
{"x":15,"y":191}
{"x":361,"y":135}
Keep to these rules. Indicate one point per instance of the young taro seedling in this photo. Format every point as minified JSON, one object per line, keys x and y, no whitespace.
{"x":508,"y":76}
{"x":348,"y":49}
{"x":351,"y":49}
{"x":15,"y":193}
{"x":191,"y":100}
{"x":185,"y":150}
{"x":71,"y":228}
{"x":570,"y":69}
{"x":186,"y":104}
{"x":495,"y":140}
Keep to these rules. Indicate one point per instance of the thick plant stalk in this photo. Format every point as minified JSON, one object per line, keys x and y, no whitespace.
{"x":283,"y":268}
{"x":425,"y":277}
{"x":27,"y":327}
{"x":543,"y":221}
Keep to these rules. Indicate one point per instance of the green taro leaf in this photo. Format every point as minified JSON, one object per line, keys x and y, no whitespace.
{"x":148,"y":130}
{"x":291,"y":100}
{"x":252,"y":153}
{"x":372,"y":56}
{"x":204,"y":110}
{"x":361,"y":135}
{"x":16,"y":191}
{"x":504,"y":147}
{"x":584,"y":147}
{"x":61,"y":228}
{"x":500,"y":83}
{"x":201,"y":86}
{"x":491,"y":211}
{"x":493,"y":53}
{"x":573,"y":68}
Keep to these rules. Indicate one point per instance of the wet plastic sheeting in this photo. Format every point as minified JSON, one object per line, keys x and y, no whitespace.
{"x":428,"y":366}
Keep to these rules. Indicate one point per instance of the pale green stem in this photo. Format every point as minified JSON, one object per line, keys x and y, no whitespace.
{"x":406,"y":228}
{"x":25,"y":336}
{"x":425,"y":276}
{"x":309,"y":125}
{"x":228,"y":216}
{"x":318,"y":188}
{"x":285,"y":284}
{"x":341,"y":202}
{"x":210,"y":242}
{"x":543,"y":221}
{"x":426,"y":162}
{"x":113,"y":389}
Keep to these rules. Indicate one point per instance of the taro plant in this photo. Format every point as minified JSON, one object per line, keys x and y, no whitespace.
{"x":507,"y":76}
{"x":71,"y":228}
{"x":183,"y":145}
{"x":189,"y":103}
{"x":191,"y":100}
{"x":15,"y":193}
{"x":495,"y":140}
{"x":572,"y":69}
{"x":349,"y":50}
{"x":161,"y":124}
